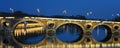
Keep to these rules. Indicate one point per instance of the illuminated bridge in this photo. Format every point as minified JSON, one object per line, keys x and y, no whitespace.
{"x":57,"y":32}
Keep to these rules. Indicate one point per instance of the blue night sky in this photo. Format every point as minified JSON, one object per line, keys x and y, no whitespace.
{"x":102,"y":9}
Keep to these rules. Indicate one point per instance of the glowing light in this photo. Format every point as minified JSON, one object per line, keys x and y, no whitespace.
{"x":88,"y":14}
{"x":118,"y":14}
{"x":64,"y":11}
{"x":38,"y":10}
{"x":112,"y":14}
{"x":12,"y":10}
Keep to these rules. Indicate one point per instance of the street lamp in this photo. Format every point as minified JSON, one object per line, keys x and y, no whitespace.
{"x":113,"y":16}
{"x":118,"y":14}
{"x":12,"y":10}
{"x":64,"y":12}
{"x":38,"y":10}
{"x":89,"y":13}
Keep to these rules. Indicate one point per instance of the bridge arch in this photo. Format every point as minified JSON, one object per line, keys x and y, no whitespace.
{"x":73,"y":23}
{"x":109,"y":32}
{"x":33,"y":20}
{"x":5,"y":23}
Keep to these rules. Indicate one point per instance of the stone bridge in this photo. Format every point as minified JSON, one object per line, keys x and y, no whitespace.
{"x":14,"y":30}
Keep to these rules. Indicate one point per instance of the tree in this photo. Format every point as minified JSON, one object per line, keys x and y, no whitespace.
{"x":117,"y":18}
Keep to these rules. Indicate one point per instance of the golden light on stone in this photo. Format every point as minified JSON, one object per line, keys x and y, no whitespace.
{"x":39,"y":28}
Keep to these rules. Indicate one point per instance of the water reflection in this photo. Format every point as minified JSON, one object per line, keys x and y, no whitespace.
{"x":101,"y":33}
{"x":69,"y":33}
{"x":29,"y":32}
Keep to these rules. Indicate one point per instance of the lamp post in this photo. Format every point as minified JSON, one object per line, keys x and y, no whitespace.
{"x":89,"y":13}
{"x":118,"y":15}
{"x":12,"y":10}
{"x":64,"y":12}
{"x":113,"y":16}
{"x":38,"y":10}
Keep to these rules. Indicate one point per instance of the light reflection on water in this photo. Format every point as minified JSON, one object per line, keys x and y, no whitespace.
{"x":99,"y":33}
{"x":69,"y":33}
{"x":33,"y":39}
{"x":29,"y":32}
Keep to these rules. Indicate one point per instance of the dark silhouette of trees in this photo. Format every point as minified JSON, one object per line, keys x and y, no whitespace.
{"x":117,"y":18}
{"x":79,"y":17}
{"x":15,"y":14}
{"x":69,"y":17}
{"x":20,"y":14}
{"x":4,"y":14}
